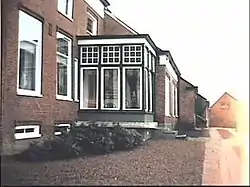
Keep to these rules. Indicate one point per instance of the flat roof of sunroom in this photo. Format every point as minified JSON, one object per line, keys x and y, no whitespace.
{"x":116,"y":39}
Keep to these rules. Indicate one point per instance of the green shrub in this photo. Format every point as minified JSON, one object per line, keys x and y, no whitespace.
{"x":83,"y":140}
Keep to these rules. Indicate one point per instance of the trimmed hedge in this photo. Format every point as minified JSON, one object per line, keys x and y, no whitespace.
{"x":83,"y":140}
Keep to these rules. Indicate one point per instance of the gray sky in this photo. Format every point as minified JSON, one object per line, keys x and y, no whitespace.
{"x":208,"y":39}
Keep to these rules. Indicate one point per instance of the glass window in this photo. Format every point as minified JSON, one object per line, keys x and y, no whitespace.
{"x":150,"y":92}
{"x":90,"y":88}
{"x":90,"y":55}
{"x":167,"y":96}
{"x":27,"y":131}
{"x":132,"y":86}
{"x":63,"y":66}
{"x":65,"y":7}
{"x":132,"y":54}
{"x":76,"y":65}
{"x":91,"y":24}
{"x":110,"y":54}
{"x":111,"y":92}
{"x":27,"y":72}
{"x":146,"y":90}
{"x":30,"y":55}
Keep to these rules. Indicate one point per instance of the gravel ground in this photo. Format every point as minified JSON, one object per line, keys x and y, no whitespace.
{"x":161,"y":162}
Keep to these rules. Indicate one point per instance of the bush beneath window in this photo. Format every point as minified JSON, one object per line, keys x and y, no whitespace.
{"x":83,"y":140}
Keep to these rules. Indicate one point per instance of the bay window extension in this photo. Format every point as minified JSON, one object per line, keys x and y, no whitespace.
{"x":117,"y":73}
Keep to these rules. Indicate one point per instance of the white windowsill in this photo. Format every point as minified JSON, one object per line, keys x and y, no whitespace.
{"x":66,"y":16}
{"x":20,"y":136}
{"x":110,"y":109}
{"x":28,"y":93}
{"x":91,"y":34}
{"x":88,"y":108}
{"x":64,"y":98}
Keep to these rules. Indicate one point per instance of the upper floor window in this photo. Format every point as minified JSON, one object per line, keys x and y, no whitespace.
{"x":30,"y":55}
{"x":225,"y":106}
{"x":64,"y":64}
{"x":66,"y":7}
{"x":91,"y":24}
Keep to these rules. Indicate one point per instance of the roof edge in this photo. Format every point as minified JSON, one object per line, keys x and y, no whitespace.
{"x":122,"y":23}
{"x":105,"y":3}
{"x":172,"y":63}
{"x":189,"y":82}
{"x":146,"y":36}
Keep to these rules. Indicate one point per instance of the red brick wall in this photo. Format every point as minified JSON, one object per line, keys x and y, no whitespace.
{"x":223,"y":117}
{"x":113,"y":27}
{"x":160,"y":94}
{"x":186,"y":102}
{"x":161,"y":118}
{"x":46,"y":109}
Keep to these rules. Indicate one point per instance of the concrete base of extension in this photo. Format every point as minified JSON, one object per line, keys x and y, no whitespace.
{"x":145,"y":128}
{"x":139,"y":125}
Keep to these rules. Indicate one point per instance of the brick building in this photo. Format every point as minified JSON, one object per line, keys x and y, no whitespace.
{"x":167,"y":81}
{"x":193,"y":107}
{"x":66,"y":61}
{"x":223,"y":113}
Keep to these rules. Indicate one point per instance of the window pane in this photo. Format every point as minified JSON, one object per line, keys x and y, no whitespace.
{"x":63,"y":45}
{"x":19,"y":130}
{"x":146,"y":91}
{"x":110,"y":54}
{"x":65,"y":7}
{"x":90,"y":55}
{"x":30,"y":46}
{"x":111,"y":86}
{"x":27,"y":65}
{"x":132,"y":54}
{"x":150,"y":92}
{"x":89,"y":88}
{"x":132,"y":88}
{"x":61,"y":6}
{"x":90,"y":25}
{"x":62,"y":75}
{"x":29,"y":130}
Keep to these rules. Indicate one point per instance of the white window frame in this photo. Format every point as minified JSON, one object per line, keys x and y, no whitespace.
{"x":172,"y":98}
{"x":81,"y":58}
{"x":123,"y":54}
{"x":102,"y":88}
{"x":153,"y":63}
{"x":68,"y":97}
{"x":151,"y":91}
{"x":70,"y":10}
{"x":102,"y":56}
{"x":81,"y":87}
{"x":62,"y":125}
{"x":25,"y":135}
{"x":95,"y":24}
{"x":147,"y":73}
{"x":176,"y":101}
{"x":167,"y":92}
{"x":145,"y":56}
{"x":149,"y":60}
{"x":124,"y":84}
{"x":38,"y":70}
{"x":76,"y":68}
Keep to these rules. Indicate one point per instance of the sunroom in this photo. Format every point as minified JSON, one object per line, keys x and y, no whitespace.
{"x":117,"y":79}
